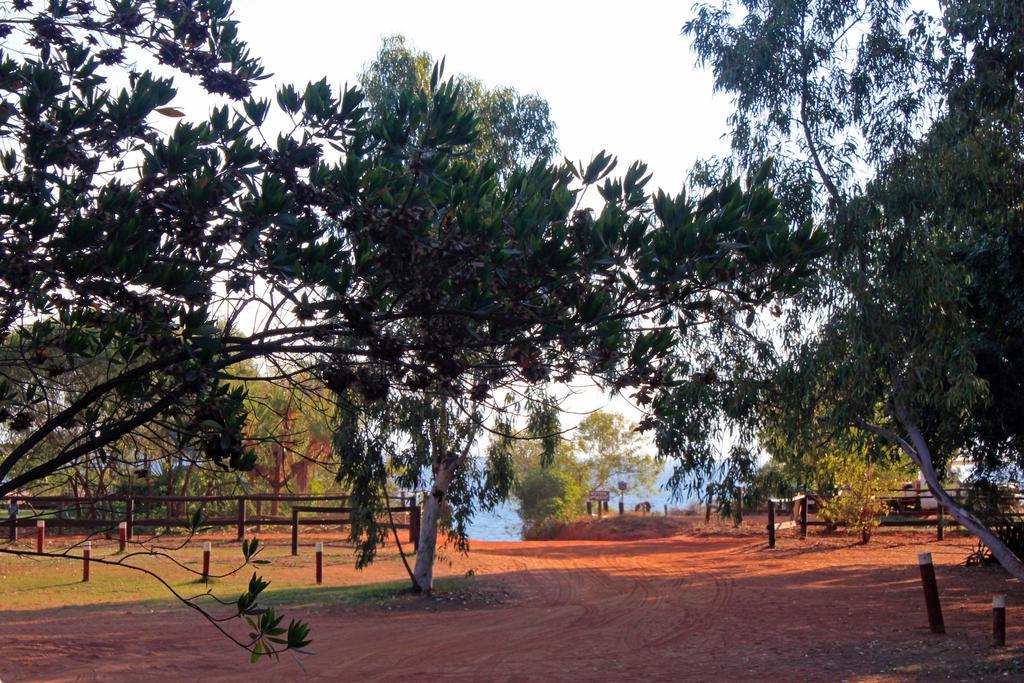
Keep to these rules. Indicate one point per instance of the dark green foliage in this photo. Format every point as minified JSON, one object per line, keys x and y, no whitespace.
{"x":513,"y":131}
{"x":547,"y":498}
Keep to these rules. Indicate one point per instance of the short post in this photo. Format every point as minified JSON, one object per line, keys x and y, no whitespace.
{"x":803,"y":517}
{"x":130,"y":517}
{"x":999,"y":620}
{"x":606,"y":504}
{"x":86,"y":554}
{"x":931,"y":593}
{"x":122,"y":536}
{"x":12,"y":510}
{"x":939,"y":523}
{"x":600,"y":509}
{"x":40,"y":535}
{"x":622,"y":507}
{"x":414,"y":527}
{"x":707,"y":507}
{"x":241,"y":518}
{"x":666,"y":509}
{"x":295,"y":531}
{"x":206,"y":561}
{"x":319,"y":562}
{"x":771,"y":523}
{"x":590,"y":509}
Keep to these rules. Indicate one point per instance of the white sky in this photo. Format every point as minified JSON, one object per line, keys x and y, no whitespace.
{"x":618,"y":75}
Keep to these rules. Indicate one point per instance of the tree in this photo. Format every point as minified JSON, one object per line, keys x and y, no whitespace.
{"x":548,"y":498}
{"x":862,"y":490}
{"x":908,"y":131}
{"x":290,"y":434}
{"x":611,"y":450}
{"x":361,"y":249}
{"x":514,"y":131}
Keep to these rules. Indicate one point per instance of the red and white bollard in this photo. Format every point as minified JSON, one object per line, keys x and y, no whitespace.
{"x":40,"y":535}
{"x":999,"y":620}
{"x":206,"y":561}
{"x":122,"y":535}
{"x":319,"y":562}
{"x":86,"y":554}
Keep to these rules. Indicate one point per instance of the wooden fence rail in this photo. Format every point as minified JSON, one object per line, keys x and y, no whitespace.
{"x":101,"y":513}
{"x":909,"y":508}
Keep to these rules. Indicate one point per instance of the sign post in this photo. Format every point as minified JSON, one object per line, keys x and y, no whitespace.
{"x":601,"y":498}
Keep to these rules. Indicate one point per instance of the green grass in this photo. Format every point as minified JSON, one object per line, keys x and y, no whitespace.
{"x":28,"y":583}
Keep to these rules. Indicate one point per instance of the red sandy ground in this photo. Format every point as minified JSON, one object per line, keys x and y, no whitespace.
{"x":705,"y":606}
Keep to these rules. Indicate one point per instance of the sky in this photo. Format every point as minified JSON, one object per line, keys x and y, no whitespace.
{"x":618,"y":76}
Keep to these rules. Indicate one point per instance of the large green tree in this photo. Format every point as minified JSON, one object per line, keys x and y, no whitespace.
{"x":512,"y":133}
{"x":905,"y":138}
{"x":159,"y":248}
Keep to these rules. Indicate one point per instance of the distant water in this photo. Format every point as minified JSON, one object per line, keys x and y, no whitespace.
{"x":503,"y":522}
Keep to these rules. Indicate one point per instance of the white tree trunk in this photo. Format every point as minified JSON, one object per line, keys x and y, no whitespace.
{"x":919,"y":452}
{"x":423,"y":572}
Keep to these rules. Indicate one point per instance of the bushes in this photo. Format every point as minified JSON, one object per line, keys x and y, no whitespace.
{"x":548,"y":498}
{"x":863,"y":487}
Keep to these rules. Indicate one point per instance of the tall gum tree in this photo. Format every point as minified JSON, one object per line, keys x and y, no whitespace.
{"x":901,"y":133}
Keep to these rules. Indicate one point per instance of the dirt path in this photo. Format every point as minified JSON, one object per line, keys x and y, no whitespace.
{"x":682,"y":608}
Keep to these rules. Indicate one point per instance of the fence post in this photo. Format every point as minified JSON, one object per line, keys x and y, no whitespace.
{"x":13,"y":510}
{"x":206,"y":561}
{"x":130,"y":517}
{"x":295,"y":531}
{"x":771,"y":523}
{"x":414,"y":527}
{"x":931,"y":593}
{"x":666,"y":509}
{"x":939,"y":523}
{"x":999,"y":620}
{"x":40,"y":535}
{"x":241,"y":518}
{"x":122,"y":536}
{"x":319,"y":562}
{"x":707,"y":507}
{"x":86,"y":554}
{"x":803,"y":517}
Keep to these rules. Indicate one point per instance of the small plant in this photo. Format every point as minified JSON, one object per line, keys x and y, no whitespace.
{"x":862,"y":486}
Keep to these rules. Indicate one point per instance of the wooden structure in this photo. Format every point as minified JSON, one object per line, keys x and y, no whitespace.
{"x":797,"y":513}
{"x":63,"y":513}
{"x":413,"y":525}
{"x":907,"y":507}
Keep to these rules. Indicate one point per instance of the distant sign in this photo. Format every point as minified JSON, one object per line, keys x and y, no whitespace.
{"x":623,"y":486}
{"x":600,"y":495}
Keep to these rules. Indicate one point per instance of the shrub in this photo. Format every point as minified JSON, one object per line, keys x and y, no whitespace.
{"x":548,"y":498}
{"x":863,"y":488}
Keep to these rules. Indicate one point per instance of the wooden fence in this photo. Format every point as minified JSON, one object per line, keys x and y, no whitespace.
{"x":107,"y":512}
{"x":906,"y":508}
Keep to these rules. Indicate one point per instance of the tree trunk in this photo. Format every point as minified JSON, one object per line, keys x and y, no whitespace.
{"x":423,"y":573}
{"x":919,"y":452}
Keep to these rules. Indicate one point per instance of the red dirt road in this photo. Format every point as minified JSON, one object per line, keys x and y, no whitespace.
{"x":681,"y":608}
